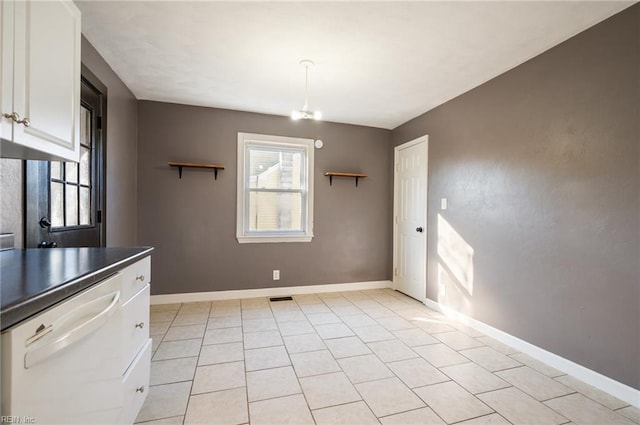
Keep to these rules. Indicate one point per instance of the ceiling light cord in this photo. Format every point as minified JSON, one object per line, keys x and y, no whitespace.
{"x":306,"y":88}
{"x":305,"y":113}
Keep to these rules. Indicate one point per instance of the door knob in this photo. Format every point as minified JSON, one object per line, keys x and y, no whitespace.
{"x":44,"y":222}
{"x":45,"y":244}
{"x":419,"y":230}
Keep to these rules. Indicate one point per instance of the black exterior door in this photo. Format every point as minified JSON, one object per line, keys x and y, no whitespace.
{"x":66,"y":200}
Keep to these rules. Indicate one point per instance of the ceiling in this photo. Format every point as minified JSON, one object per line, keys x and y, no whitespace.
{"x":377,"y":63}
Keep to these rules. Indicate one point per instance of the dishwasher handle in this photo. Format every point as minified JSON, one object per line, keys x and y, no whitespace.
{"x":44,"y":349}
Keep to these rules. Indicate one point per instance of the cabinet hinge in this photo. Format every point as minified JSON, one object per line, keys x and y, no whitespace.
{"x":99,"y":123}
{"x":99,"y":216}
{"x":395,"y":271}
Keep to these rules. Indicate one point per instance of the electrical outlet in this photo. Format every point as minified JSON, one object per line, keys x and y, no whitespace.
{"x":276,"y":275}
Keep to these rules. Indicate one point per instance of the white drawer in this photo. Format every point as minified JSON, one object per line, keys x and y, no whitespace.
{"x":136,"y":385}
{"x":135,"y":277}
{"x":136,"y":326}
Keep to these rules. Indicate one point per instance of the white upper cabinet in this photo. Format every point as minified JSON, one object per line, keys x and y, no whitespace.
{"x":40,"y":80}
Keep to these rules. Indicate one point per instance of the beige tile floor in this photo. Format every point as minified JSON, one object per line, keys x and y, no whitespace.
{"x":362,"y":357}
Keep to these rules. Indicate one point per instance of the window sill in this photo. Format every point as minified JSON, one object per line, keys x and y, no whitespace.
{"x":273,"y":239}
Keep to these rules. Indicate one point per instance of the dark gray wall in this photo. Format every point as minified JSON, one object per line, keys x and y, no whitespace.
{"x":121,"y":150}
{"x":191,"y":222}
{"x":541,"y":167}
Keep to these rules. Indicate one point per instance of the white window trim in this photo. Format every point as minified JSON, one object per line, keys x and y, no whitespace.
{"x":242,"y":235}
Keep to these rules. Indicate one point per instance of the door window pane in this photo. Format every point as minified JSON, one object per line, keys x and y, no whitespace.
{"x":85,"y":165}
{"x":57,"y":205}
{"x":85,"y":206}
{"x":71,"y":205}
{"x":85,"y":126}
{"x":71,"y":172}
{"x":56,"y":170}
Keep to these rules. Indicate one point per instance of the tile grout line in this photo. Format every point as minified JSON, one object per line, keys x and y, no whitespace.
{"x":244,"y":364}
{"x":395,"y":376}
{"x":294,"y":370}
{"x":413,"y":389}
{"x":394,"y":309}
{"x":347,"y":376}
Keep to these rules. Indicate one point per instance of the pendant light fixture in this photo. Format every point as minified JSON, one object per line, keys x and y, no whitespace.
{"x":305,"y":113}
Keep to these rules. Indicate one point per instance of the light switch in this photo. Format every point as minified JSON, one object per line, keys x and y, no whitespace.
{"x":443,"y":204}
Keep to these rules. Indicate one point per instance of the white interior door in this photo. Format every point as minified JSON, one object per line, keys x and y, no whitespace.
{"x":410,"y":218}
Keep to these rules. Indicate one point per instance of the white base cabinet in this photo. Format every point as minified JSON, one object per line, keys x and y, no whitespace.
{"x":40,"y":80}
{"x":85,"y":360}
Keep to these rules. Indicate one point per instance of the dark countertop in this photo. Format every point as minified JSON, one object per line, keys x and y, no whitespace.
{"x":32,"y":280}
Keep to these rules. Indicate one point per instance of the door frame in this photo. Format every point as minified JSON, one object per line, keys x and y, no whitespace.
{"x":91,"y":79}
{"x":396,"y":150}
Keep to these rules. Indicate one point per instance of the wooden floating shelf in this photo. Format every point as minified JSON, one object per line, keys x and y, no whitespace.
{"x":181,"y":165}
{"x":332,"y":174}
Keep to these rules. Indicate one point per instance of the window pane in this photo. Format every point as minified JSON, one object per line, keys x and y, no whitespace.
{"x":85,"y":205}
{"x":56,"y":170}
{"x":270,"y":211}
{"x":71,"y":206}
{"x":275,"y":169}
{"x":71,"y":172}
{"x":85,"y":165}
{"x":57,"y":207}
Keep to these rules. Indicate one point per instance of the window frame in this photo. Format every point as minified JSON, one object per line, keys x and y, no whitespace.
{"x":243,"y":234}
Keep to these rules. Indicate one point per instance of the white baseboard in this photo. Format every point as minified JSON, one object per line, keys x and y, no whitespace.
{"x":267,"y":292}
{"x":591,"y":377}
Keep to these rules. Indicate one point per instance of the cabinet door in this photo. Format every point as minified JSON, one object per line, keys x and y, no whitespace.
{"x":47,"y":77}
{"x":6,"y":68}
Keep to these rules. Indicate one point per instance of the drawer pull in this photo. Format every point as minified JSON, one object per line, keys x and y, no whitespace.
{"x":140,"y":325}
{"x":16,"y":118}
{"x":140,"y":278}
{"x":140,"y":389}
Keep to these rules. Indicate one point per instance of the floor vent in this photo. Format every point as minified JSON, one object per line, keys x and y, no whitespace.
{"x":273,"y":299}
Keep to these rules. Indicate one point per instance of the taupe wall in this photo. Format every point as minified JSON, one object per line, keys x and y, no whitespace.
{"x":541,"y":167}
{"x":121,"y":150}
{"x":191,"y":222}
{"x":11,"y":199}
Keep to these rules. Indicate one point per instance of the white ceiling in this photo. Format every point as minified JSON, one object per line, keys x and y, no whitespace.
{"x":377,"y":63}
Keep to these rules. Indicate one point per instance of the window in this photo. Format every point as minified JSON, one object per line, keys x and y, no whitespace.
{"x":275,"y":189}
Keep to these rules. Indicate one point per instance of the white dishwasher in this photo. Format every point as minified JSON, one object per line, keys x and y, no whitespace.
{"x":64,"y":366}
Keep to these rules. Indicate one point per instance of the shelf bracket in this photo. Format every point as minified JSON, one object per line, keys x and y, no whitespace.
{"x":180,"y":171}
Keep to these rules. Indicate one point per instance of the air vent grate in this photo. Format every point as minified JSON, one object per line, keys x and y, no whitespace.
{"x":274,"y":299}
